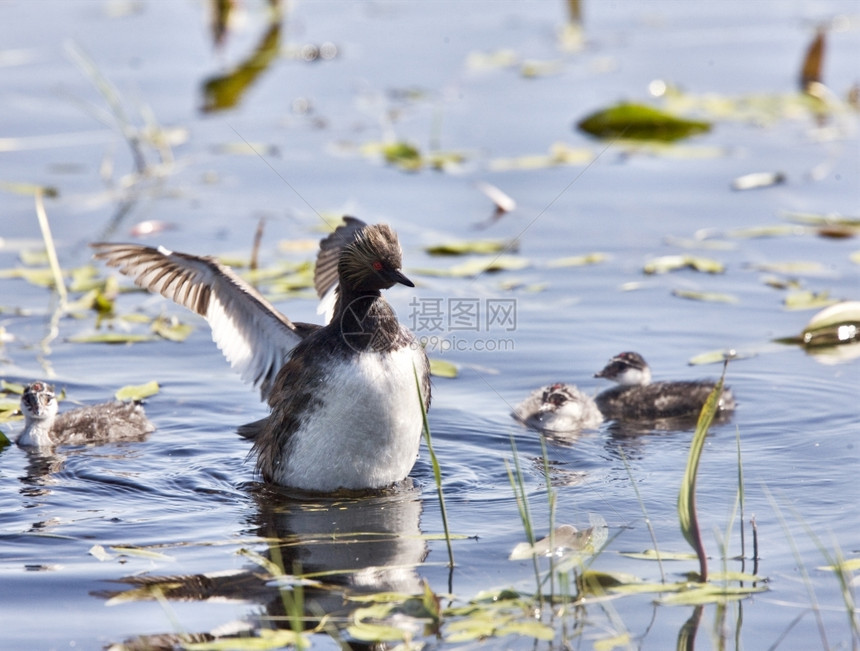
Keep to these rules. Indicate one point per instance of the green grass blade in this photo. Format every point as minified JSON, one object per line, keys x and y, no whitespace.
{"x":437,"y":473}
{"x":687,"y":516}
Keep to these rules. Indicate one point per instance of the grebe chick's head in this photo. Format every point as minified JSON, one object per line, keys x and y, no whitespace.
{"x":627,"y":369}
{"x":38,"y":402}
{"x":559,"y":408}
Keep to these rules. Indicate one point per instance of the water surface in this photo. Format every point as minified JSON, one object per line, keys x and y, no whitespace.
{"x":188,"y":495}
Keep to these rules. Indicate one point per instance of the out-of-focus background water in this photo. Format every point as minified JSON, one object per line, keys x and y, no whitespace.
{"x":114,"y":105}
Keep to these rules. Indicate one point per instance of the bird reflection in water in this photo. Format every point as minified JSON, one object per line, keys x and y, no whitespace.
{"x":335,"y":547}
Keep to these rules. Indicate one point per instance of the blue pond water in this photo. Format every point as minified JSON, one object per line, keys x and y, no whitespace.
{"x":187,"y":494}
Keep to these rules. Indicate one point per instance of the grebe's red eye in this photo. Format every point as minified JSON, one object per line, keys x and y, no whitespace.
{"x":377,"y":265}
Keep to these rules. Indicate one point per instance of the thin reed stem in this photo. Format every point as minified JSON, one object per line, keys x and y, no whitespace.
{"x":437,"y":473}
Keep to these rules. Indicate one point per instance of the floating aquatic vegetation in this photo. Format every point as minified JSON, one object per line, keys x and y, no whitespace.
{"x":403,"y":155}
{"x":409,"y":158}
{"x":10,"y":400}
{"x":772,"y":230}
{"x":559,"y":154}
{"x":578,"y":260}
{"x":654,"y":555}
{"x":707,"y":242}
{"x":465,"y":247}
{"x":718,"y":356}
{"x":801,"y":267}
{"x":495,"y":60}
{"x":640,"y":122}
{"x":110,"y":338}
{"x":807,"y":300}
{"x":534,"y":68}
{"x":709,"y":297}
{"x":442,"y":368}
{"x":828,"y":225}
{"x":137,"y":392}
{"x":41,"y":276}
{"x":478,"y":266}
{"x":16,"y":187}
{"x":391,"y":617}
{"x":667,"y":263}
{"x":712,"y":593}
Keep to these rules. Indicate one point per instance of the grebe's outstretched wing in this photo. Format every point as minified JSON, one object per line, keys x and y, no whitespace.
{"x":255,"y":337}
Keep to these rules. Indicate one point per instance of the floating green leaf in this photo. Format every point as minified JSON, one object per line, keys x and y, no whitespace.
{"x":807,"y":300}
{"x":268,"y":639}
{"x":824,"y":220}
{"x":137,"y":392}
{"x":667,"y":263}
{"x":110,"y":338}
{"x":479,"y":266}
{"x":4,"y":440}
{"x":140,"y":552}
{"x":622,"y":640}
{"x":559,"y":154}
{"x":773,"y":230}
{"x":709,"y":593}
{"x":47,"y":191}
{"x":91,"y":300}
{"x":578,"y":260}
{"x":710,"y":297}
{"x":491,"y":60}
{"x":527,"y":628}
{"x":9,"y":410}
{"x":33,"y":258}
{"x":41,"y":276}
{"x":801,"y":267}
{"x":171,"y":328}
{"x":11,"y":387}
{"x":718,"y":356}
{"x":533,"y":68}
{"x":463,"y":247}
{"x":441,"y":368}
{"x":640,"y":122}
{"x":849,"y":565}
{"x":654,"y":555}
{"x":403,"y":155}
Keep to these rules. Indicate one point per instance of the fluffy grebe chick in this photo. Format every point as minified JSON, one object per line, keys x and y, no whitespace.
{"x":44,"y":427}
{"x":345,"y":411}
{"x":637,"y":398}
{"x":558,"y":408}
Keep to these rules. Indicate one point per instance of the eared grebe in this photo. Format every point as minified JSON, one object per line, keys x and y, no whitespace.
{"x":345,"y":407}
{"x":637,"y":398}
{"x":44,"y":427}
{"x":558,"y":408}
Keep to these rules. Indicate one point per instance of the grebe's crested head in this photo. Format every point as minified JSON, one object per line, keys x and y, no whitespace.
{"x":38,"y":402}
{"x":372,"y":261}
{"x":627,"y":369}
